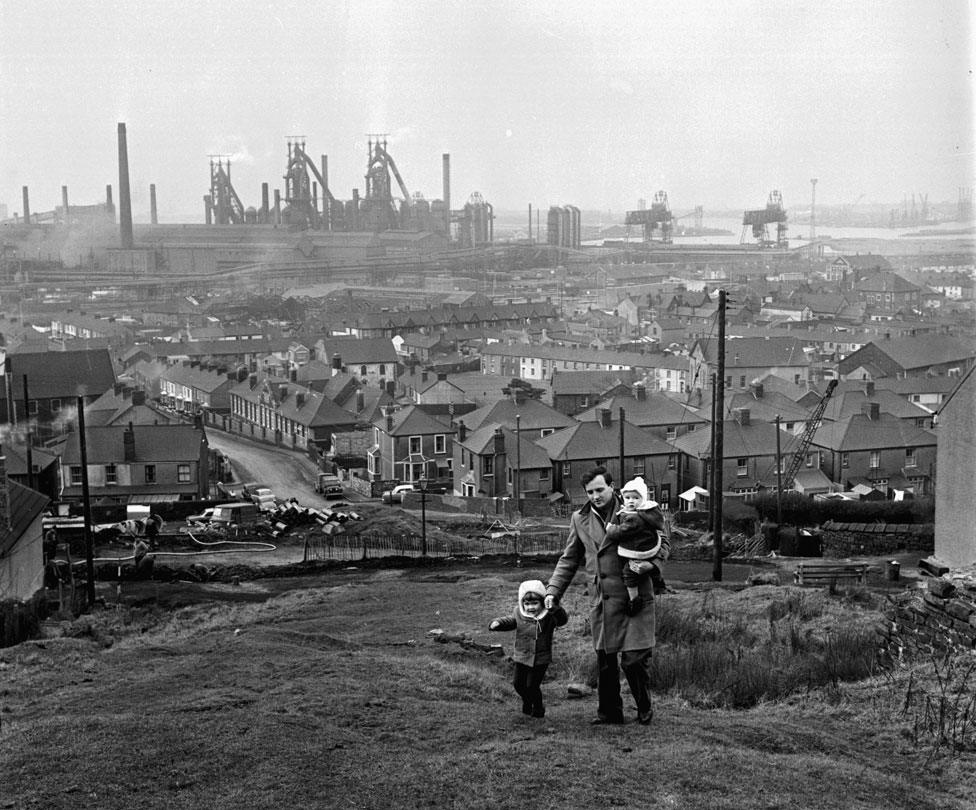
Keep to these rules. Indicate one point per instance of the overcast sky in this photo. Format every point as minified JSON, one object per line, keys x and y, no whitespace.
{"x":594,"y":104}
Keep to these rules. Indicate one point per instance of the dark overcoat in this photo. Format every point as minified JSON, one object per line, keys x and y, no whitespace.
{"x":589,"y":547}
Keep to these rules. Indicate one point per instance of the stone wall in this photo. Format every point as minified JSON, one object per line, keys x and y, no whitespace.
{"x":930,"y":620}
{"x":876,"y":539}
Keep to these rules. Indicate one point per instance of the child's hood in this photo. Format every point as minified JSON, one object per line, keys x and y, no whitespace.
{"x":637,"y":485}
{"x":532,"y":586}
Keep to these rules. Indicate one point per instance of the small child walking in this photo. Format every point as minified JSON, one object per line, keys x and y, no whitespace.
{"x":534,"y":626}
{"x":639,"y":529}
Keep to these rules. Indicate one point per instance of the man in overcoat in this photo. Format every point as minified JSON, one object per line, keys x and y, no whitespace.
{"x":632,"y":638}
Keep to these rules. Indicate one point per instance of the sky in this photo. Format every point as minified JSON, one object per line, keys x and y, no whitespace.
{"x":545,"y":103}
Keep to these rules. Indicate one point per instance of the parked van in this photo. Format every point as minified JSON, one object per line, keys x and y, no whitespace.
{"x":237,"y":514}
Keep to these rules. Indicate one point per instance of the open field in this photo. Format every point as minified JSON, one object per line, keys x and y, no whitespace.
{"x":329,"y":691}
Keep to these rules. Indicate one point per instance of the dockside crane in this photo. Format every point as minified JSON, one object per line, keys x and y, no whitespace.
{"x":813,"y":424}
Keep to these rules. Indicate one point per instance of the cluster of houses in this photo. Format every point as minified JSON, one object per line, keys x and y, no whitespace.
{"x":501,"y":401}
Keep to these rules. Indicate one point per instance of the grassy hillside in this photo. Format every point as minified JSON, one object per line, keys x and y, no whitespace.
{"x":332,"y":692}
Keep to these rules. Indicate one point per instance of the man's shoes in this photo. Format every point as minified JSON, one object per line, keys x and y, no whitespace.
{"x":526,"y":707}
{"x":607,"y":720}
{"x":539,"y":710}
{"x":644,"y":718}
{"x":635,"y":605}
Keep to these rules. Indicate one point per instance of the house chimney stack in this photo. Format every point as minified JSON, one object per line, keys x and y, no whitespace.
{"x":871,"y":410}
{"x":758,"y":390}
{"x":869,"y":388}
{"x":605,"y":417}
{"x":640,"y":392}
{"x":462,"y":430}
{"x":498,"y":444}
{"x":129,"y":444}
{"x":360,"y":401}
{"x":742,"y":416}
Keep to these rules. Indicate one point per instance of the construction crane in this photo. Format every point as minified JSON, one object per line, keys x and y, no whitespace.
{"x":813,"y":423}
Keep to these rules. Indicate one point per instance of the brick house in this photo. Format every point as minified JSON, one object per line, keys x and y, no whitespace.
{"x":489,"y":460}
{"x":410,"y":444}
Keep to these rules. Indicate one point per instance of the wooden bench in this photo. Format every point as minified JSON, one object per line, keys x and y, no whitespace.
{"x":826,"y":573}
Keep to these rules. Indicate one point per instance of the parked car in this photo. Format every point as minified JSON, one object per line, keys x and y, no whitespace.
{"x":264,"y":498}
{"x":201,"y":519}
{"x":395,"y":495}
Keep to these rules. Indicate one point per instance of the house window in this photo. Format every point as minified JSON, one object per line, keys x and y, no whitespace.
{"x":875,"y":460}
{"x":692,"y":428}
{"x":650,"y":493}
{"x":508,"y":474}
{"x":789,"y":425}
{"x":440,"y":443}
{"x":546,"y":431}
{"x":638,"y":468}
{"x":371,"y":463}
{"x":910,"y":460}
{"x":362,"y":371}
{"x":672,"y":462}
{"x":796,"y":379}
{"x":183,"y":473}
{"x":811,"y":459}
{"x":742,"y":381}
{"x":111,"y":475}
{"x":728,"y":382}
{"x":672,"y":431}
{"x":32,"y":407}
{"x":544,"y":474}
{"x":567,"y":469}
{"x":75,"y":475}
{"x":415,"y":444}
{"x":55,"y":405}
{"x":150,"y":471}
{"x":382,"y":369}
{"x":487,"y":465}
{"x":742,"y":467}
{"x":845,"y":459}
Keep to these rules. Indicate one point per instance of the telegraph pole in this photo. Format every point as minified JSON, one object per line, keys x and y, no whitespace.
{"x":779,"y":477}
{"x":86,"y":501}
{"x":623,"y":477}
{"x":718,"y":429}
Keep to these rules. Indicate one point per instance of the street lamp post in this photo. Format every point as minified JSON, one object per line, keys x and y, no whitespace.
{"x":423,"y":517}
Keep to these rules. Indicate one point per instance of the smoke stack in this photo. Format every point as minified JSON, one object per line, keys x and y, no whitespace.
{"x":125,"y":203}
{"x":26,"y":206}
{"x":530,"y":222}
{"x":277,"y":208}
{"x":446,"y":170}
{"x":264,"y":202}
{"x":64,"y":202}
{"x":153,"y":218}
{"x":109,"y":204}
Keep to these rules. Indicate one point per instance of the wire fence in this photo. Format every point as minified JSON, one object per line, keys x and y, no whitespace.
{"x":369,"y":546}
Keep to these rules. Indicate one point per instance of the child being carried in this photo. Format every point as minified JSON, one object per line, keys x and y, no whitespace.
{"x":637,"y":528}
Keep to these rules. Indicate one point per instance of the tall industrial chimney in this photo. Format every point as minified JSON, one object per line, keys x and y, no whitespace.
{"x":26,"y":206}
{"x":530,"y":222}
{"x":208,"y":209}
{"x":64,"y":203}
{"x":446,"y":160}
{"x":277,"y":210}
{"x":264,"y":202}
{"x":153,"y":219}
{"x":125,"y":203}
{"x":109,"y":204}
{"x":326,"y":202}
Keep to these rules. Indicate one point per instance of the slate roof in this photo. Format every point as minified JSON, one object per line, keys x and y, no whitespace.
{"x":528,"y":454}
{"x":25,"y":507}
{"x":739,"y":441}
{"x":64,"y":375}
{"x":924,"y":351}
{"x":358,"y":351}
{"x":154,"y":443}
{"x":843,"y":404}
{"x":656,"y":410}
{"x":858,"y":432}
{"x":413,"y":421}
{"x":316,"y":410}
{"x":533,"y":415}
{"x":886,"y":282}
{"x":764,"y":352}
{"x":589,"y":440}
{"x":571,"y":383}
{"x":765,"y":408}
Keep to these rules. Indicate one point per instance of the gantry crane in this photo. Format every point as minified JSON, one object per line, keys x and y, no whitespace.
{"x":757,"y":220}
{"x":813,"y":423}
{"x":657,"y":216}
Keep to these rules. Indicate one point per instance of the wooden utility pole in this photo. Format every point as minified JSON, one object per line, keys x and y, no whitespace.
{"x":86,"y":501}
{"x":30,"y":449}
{"x":719,"y":438}
{"x":623,"y":475}
{"x":779,"y":477}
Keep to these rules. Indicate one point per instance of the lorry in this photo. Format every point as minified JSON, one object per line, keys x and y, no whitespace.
{"x":329,"y":486}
